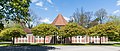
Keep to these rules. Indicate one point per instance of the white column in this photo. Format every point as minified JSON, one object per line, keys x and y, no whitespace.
{"x":73,"y":39}
{"x":41,"y":39}
{"x":18,"y":40}
{"x":91,"y":39}
{"x":27,"y":39}
{"x":97,"y":40}
{"x":107,"y":39}
{"x":30,"y":39}
{"x":15,"y":40}
{"x":24,"y":39}
{"x":37,"y":39}
{"x":88,"y":39}
{"x":84,"y":39}
{"x":94,"y":39}
{"x":80,"y":39}
{"x":77,"y":39}
{"x":21,"y":39}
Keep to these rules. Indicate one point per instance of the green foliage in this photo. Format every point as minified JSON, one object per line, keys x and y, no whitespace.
{"x":14,"y":9}
{"x":108,"y":29}
{"x":72,"y":29}
{"x":12,"y":32}
{"x":14,"y":25}
{"x":1,"y":26}
{"x":44,"y":30}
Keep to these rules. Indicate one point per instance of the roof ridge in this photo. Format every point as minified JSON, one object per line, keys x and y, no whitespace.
{"x":59,"y":20}
{"x":63,"y":20}
{"x":55,"y":19}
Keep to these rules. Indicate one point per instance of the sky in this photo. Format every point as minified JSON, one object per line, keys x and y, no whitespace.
{"x":48,"y":10}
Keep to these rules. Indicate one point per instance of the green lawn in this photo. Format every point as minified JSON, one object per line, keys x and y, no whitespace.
{"x":4,"y":44}
{"x":60,"y":45}
{"x":116,"y":45}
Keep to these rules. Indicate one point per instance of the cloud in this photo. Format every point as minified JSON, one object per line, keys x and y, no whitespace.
{"x":118,"y":3}
{"x":57,"y":10}
{"x":46,"y":9}
{"x":116,"y":11}
{"x":39,"y":4}
{"x":50,"y":1}
{"x":33,"y":1}
{"x":66,"y":18}
{"x":46,"y":20}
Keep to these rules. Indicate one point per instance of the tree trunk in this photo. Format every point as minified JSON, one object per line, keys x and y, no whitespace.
{"x":100,"y":21}
{"x":64,"y":40}
{"x":61,"y":39}
{"x":44,"y":40}
{"x":100,"y":39}
{"x":54,"y":39}
{"x":89,"y":39}
{"x":70,"y":40}
{"x":13,"y":40}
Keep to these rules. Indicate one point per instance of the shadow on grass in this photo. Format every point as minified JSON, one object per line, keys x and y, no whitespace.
{"x":35,"y":47}
{"x":80,"y":44}
{"x":26,"y":47}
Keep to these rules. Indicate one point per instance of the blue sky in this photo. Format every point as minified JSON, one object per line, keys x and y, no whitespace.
{"x":49,"y":9}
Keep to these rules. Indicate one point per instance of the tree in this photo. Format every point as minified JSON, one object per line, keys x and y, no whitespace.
{"x":88,"y":16}
{"x":101,"y":15}
{"x":72,"y":29}
{"x":44,"y":30}
{"x":33,"y":19}
{"x":94,"y":22}
{"x":114,"y":19}
{"x":108,"y":29}
{"x":12,"y":33}
{"x":113,"y":31}
{"x":15,"y":10}
{"x":82,"y":18}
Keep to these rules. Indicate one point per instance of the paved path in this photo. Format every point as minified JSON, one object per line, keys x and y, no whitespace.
{"x":86,"y":48}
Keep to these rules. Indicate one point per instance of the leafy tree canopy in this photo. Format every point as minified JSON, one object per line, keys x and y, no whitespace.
{"x":12,"y":32}
{"x":14,"y":9}
{"x":72,"y":29}
{"x":44,"y":30}
{"x":108,"y":29}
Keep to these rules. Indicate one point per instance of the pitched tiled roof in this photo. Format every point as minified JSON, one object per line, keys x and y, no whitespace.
{"x":27,"y":30}
{"x":59,"y":20}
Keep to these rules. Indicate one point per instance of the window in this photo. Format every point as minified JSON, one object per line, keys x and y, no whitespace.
{"x":58,"y":27}
{"x":82,"y":36}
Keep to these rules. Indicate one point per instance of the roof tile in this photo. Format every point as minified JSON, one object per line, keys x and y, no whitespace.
{"x":59,"y":21}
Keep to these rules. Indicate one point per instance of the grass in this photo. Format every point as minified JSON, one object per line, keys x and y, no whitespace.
{"x":117,"y":45}
{"x":20,"y":45}
{"x":4,"y":44}
{"x":60,"y":45}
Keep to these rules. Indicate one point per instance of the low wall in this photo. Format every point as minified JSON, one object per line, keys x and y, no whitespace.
{"x":77,"y":39}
